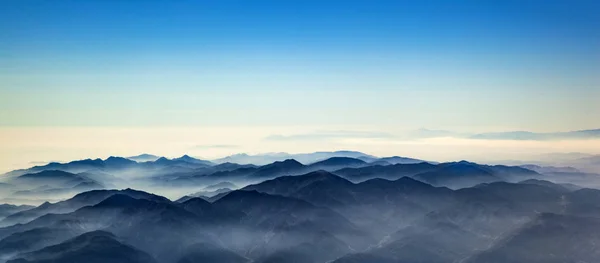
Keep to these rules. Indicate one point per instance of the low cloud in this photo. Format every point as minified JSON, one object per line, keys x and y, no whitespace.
{"x":510,"y":135}
{"x":327,"y":135}
{"x":215,"y":146}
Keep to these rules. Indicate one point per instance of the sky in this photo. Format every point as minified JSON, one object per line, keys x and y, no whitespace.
{"x":96,"y":78}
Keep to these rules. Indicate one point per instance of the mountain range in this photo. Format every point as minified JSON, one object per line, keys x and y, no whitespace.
{"x":336,"y":209}
{"x":315,"y":217}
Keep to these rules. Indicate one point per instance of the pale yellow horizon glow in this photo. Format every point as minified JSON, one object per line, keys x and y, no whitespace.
{"x":23,"y":147}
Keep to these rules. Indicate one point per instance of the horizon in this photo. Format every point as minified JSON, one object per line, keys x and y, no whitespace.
{"x":543,"y":159}
{"x":22,"y":147}
{"x":95,"y":78}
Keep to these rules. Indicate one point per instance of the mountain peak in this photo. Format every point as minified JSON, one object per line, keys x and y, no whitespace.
{"x":120,"y":200}
{"x":291,"y":162}
{"x":341,"y":161}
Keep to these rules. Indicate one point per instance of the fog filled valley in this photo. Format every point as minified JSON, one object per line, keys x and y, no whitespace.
{"x":338,"y":207}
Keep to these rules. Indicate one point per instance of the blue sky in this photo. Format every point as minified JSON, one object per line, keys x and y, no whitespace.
{"x":493,"y":63}
{"x":470,"y":66}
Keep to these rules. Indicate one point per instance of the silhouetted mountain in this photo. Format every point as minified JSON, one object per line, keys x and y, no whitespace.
{"x":466,"y":174}
{"x":159,"y":228}
{"x":289,"y":166}
{"x":289,"y":185}
{"x":188,"y":159}
{"x":70,"y":205}
{"x":322,"y":217}
{"x":93,"y":247}
{"x":400,"y":160}
{"x":457,"y":175}
{"x":374,"y":204}
{"x":53,"y":178}
{"x":335,"y":163}
{"x":263,"y":159}
{"x":72,"y":167}
{"x":391,"y":172}
{"x":118,"y":162}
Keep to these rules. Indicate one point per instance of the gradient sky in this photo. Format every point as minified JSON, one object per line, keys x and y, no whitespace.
{"x":277,"y":67}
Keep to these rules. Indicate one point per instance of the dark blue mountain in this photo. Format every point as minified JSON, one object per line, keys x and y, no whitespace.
{"x":391,"y":172}
{"x":335,"y":163}
{"x":8,"y":209}
{"x":287,"y":167}
{"x":79,"y":201}
{"x":400,"y":160}
{"x":92,"y":247}
{"x":186,"y":158}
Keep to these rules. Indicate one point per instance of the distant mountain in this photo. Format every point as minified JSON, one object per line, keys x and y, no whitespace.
{"x":144,"y":158}
{"x":188,"y":159}
{"x":545,"y":183}
{"x":457,"y":175}
{"x":52,"y":182}
{"x":220,"y":185}
{"x":46,"y":191}
{"x":335,"y":163}
{"x":116,"y":162}
{"x":120,"y":166}
{"x":72,"y":167}
{"x":93,"y":247}
{"x":51,"y":177}
{"x":466,"y":174}
{"x":262,"y":159}
{"x":391,"y":172}
{"x":401,"y":160}
{"x":549,"y":169}
{"x":289,"y":166}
